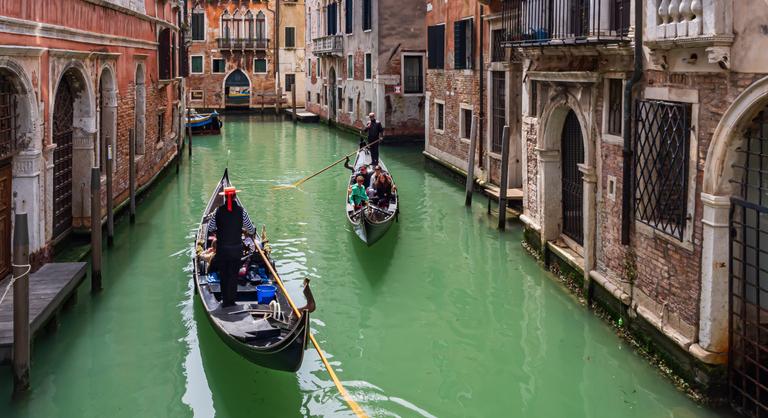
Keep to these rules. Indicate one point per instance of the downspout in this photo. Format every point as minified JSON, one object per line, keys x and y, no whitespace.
{"x":277,"y":48}
{"x":626,"y":201}
{"x":480,"y":116}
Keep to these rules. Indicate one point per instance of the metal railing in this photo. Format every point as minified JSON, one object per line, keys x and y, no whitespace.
{"x":565,"y":22}
{"x":328,"y":45}
{"x":241,"y":44}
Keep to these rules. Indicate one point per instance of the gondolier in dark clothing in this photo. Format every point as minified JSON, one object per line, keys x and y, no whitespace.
{"x":375,"y":132}
{"x":227,"y":224}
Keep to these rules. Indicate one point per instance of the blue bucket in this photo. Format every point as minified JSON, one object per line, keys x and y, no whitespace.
{"x":265,"y":294}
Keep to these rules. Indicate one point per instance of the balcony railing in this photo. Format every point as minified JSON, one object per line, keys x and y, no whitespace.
{"x":243,"y":44}
{"x":565,"y":22}
{"x":328,"y":45}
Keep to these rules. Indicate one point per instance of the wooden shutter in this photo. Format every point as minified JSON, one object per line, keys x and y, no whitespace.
{"x":469,"y":44}
{"x":198,"y":26}
{"x":436,"y":47}
{"x":459,"y":45}
{"x":348,"y":15}
{"x":290,"y":37}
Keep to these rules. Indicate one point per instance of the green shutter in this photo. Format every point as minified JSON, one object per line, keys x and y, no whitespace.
{"x":197,"y":64}
{"x":260,"y":65}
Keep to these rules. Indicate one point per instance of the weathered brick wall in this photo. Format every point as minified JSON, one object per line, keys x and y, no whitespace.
{"x":454,"y":87}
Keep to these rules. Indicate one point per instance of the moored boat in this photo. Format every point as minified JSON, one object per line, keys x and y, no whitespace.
{"x":262,"y":326}
{"x":204,"y":123}
{"x":371,"y":221}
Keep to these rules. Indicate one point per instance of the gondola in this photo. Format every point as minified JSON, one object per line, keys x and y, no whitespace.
{"x":204,"y":123}
{"x":372,"y":221}
{"x":270,"y":335}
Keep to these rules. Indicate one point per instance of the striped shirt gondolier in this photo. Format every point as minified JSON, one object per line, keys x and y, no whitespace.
{"x":247,"y":225}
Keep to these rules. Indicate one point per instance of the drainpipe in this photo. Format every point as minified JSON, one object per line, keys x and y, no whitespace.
{"x":626,"y":201}
{"x":277,"y":48}
{"x":480,"y":118}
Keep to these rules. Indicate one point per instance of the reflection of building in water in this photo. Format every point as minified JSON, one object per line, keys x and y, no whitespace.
{"x":239,"y":58}
{"x":64,"y":108}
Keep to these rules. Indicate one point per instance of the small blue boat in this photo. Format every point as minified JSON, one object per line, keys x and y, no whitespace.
{"x":205,"y":123}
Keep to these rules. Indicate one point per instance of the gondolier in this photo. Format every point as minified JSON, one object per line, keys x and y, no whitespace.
{"x":375,"y":132}
{"x":227,"y":224}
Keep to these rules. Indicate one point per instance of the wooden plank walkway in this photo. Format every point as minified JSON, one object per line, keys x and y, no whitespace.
{"x":303,"y":115}
{"x":512,"y":194}
{"x":49,"y":288}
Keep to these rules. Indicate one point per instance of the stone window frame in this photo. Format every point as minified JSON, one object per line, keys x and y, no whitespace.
{"x":350,"y":105}
{"x":442,"y":122}
{"x":462,"y":108}
{"x":213,"y":66}
{"x":202,"y":60}
{"x":350,"y":66}
{"x":205,"y":24}
{"x":285,"y":39}
{"x":691,"y":97}
{"x":607,"y":137}
{"x":369,"y":107}
{"x":266,"y":67}
{"x":368,"y":68}
{"x":192,"y":95}
{"x":423,"y":73}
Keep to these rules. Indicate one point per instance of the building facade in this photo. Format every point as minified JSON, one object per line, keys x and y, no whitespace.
{"x":367,"y":56}
{"x":642,"y":176}
{"x":75,"y":77}
{"x":240,"y":58}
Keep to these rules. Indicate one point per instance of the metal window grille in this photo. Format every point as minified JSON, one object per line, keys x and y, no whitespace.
{"x":572,"y":151}
{"x":466,"y":123}
{"x":499,"y":53}
{"x":499,"y":111}
{"x":440,"y":116}
{"x":534,"y":99}
{"x":8,"y":116}
{"x":748,"y":284}
{"x":661,"y":165}
{"x":614,"y":105}
{"x":63,"y":118}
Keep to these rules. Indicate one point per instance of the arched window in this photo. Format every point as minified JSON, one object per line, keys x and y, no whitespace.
{"x":226,"y":25}
{"x":261,"y":26}
{"x":249,"y":25}
{"x":237,"y":20}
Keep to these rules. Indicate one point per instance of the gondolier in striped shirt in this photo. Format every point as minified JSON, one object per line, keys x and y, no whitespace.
{"x":228,"y":224}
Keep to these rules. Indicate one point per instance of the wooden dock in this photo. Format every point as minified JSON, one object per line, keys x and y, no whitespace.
{"x":512,"y":194}
{"x":303,"y":115}
{"x":49,"y":288}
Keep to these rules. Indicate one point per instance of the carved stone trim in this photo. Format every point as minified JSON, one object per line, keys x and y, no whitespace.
{"x":27,"y":164}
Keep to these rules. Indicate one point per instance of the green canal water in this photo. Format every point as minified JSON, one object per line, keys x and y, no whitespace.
{"x":443,"y":317}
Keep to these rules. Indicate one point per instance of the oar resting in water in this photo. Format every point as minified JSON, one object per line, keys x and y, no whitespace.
{"x":304,"y":180}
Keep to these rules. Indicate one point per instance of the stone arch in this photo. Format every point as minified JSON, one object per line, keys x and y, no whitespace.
{"x":235,"y":85}
{"x":553,"y":120}
{"x":73,"y":134}
{"x":140,"y":108}
{"x":107,"y":115}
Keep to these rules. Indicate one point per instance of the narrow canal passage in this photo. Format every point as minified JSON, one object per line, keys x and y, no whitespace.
{"x":443,"y":317}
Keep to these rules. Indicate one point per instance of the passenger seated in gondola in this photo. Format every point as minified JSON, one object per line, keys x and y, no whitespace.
{"x":357,"y":195}
{"x":363,"y":172}
{"x":383,"y":188}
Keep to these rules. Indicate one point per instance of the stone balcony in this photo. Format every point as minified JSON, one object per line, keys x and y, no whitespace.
{"x":243,"y":44}
{"x":328,"y":45}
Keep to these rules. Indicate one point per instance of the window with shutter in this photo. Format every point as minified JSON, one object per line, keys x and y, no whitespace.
{"x":331,"y":16}
{"x":198,"y":24}
{"x":463,"y":44}
{"x":368,"y":67}
{"x":436,"y":47}
{"x":367,"y":14}
{"x":348,"y":10}
{"x":290,"y":37}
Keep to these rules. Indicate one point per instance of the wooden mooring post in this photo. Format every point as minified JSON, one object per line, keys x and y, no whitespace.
{"x":21,"y":334}
{"x":504,"y":180}
{"x":471,"y":161}
{"x":293,"y":102}
{"x":95,"y":229}
{"x":189,"y":133}
{"x":110,"y":200}
{"x":132,"y":174}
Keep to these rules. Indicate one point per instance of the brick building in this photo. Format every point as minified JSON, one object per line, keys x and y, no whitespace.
{"x":367,"y":56}
{"x":239,"y":57}
{"x":75,"y":77}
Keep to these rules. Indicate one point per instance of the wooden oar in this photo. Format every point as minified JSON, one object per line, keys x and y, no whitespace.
{"x":344,"y":394}
{"x":302,"y":181}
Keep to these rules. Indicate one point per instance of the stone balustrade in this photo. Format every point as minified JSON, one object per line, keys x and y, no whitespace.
{"x":679,"y":18}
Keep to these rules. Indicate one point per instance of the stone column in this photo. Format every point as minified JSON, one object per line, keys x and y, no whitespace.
{"x":550,"y":194}
{"x":590,"y":218}
{"x":713,"y":308}
{"x":26,"y":186}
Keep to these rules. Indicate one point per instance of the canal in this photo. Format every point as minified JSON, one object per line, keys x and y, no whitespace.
{"x":443,"y":317}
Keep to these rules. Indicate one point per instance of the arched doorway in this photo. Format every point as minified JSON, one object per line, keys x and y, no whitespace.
{"x":139,"y":111}
{"x":332,"y":93}
{"x":63,"y":117}
{"x":748,"y":328}
{"x":9,"y":112}
{"x":572,"y":151}
{"x":237,"y":89}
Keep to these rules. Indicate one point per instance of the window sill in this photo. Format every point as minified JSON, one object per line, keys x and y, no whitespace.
{"x":367,"y":30}
{"x":440,"y":131}
{"x":192,"y":73}
{"x":650,"y":232}
{"x":465,"y":140}
{"x":413,"y":94}
{"x":613,"y":139}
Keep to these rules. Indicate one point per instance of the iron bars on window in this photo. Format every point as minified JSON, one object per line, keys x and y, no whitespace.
{"x":662,"y":137}
{"x":564,"y":22}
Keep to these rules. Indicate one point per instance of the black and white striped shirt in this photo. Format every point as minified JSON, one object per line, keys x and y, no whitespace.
{"x":247,"y":225}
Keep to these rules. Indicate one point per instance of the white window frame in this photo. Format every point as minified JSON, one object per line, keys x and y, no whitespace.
{"x":442,"y":122}
{"x":259,"y":72}
{"x":295,"y":38}
{"x":350,"y":59}
{"x":192,"y":95}
{"x":350,"y":105}
{"x":365,"y":64}
{"x":423,"y":73}
{"x":202,"y":60}
{"x":462,"y":108}
{"x":611,"y":138}
{"x":212,"y":66}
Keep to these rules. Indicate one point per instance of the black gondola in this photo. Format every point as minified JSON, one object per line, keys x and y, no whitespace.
{"x":270,"y":335}
{"x":371,"y":222}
